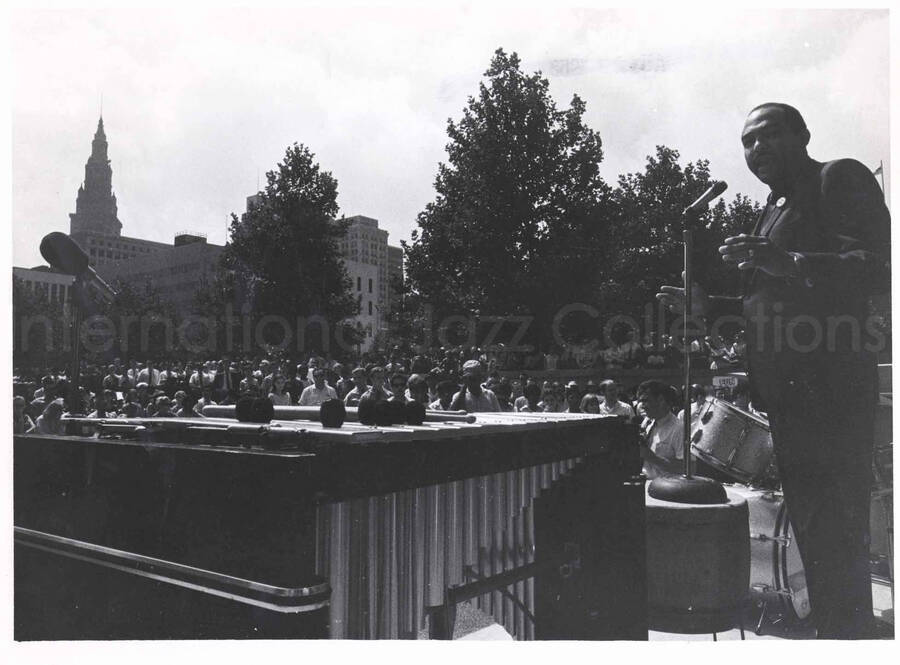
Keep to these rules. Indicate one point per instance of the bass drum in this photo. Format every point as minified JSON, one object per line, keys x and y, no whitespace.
{"x":776,"y":570}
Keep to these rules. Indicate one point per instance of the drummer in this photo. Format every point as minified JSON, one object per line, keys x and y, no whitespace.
{"x":661,"y":447}
{"x":698,"y":399}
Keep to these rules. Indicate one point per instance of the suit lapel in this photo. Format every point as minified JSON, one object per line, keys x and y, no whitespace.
{"x":747,"y":279}
{"x":767,"y":227}
{"x":759,"y":221}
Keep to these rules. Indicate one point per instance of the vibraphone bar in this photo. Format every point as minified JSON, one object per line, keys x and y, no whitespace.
{"x":536,"y":519}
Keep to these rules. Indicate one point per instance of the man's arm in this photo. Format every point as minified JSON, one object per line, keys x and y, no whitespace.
{"x":858,"y":225}
{"x":662,"y":464}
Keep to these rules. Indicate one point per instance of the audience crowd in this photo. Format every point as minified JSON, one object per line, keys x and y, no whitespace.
{"x":456,"y":378}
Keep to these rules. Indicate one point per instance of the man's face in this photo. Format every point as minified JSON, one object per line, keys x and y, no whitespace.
{"x":654,"y":406}
{"x":771,"y":149}
{"x":398,"y":386}
{"x":359,"y":380}
{"x":612,"y":394}
{"x":319,"y":378}
{"x":472,"y":378}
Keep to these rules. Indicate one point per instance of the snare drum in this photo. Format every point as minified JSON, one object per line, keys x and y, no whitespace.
{"x":733,"y":441}
{"x":776,"y":570}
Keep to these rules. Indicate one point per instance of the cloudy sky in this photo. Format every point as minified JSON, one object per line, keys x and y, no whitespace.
{"x":199,"y":103}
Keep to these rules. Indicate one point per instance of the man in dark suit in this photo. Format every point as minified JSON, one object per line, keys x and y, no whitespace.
{"x":226,"y":382}
{"x":818,"y":251}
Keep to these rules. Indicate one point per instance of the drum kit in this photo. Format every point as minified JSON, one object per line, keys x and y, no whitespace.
{"x":738,"y":444}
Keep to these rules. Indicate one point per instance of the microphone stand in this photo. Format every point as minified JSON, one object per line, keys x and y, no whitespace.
{"x":688,"y":237}
{"x":687,"y":488}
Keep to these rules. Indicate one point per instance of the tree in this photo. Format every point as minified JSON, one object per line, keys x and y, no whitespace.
{"x":138,"y":323}
{"x":283,"y":257}
{"x":519,"y":194}
{"x":41,"y":329}
{"x":646,"y":237}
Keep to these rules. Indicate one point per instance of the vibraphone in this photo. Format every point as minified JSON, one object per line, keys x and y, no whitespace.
{"x":210,"y":528}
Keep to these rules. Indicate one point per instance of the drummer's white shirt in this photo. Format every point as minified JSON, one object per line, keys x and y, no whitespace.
{"x":666,"y":439}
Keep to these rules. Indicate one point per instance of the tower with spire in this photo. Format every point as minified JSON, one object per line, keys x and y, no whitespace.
{"x":95,"y":206}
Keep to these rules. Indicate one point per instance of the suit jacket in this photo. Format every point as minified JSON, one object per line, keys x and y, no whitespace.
{"x":813,"y":329}
{"x":234,"y":380}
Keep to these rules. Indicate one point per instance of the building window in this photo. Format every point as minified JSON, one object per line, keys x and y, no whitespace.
{"x":359,"y":283}
{"x":370,"y":308}
{"x":370,"y":285}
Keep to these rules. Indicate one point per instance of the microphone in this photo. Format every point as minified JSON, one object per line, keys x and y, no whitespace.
{"x":64,"y":254}
{"x":701,"y":204}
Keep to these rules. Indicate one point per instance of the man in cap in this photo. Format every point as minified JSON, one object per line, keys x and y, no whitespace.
{"x":472,"y":397}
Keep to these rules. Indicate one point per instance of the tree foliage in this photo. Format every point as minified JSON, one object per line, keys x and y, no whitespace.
{"x":646,"y":237}
{"x":283,"y":258}
{"x":41,"y":336}
{"x":520,"y":189}
{"x":144,"y":324}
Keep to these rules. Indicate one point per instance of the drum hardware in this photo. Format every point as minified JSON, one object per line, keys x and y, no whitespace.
{"x":473,"y":575}
{"x":784,"y":541}
{"x":443,"y":617}
{"x":767,"y":589}
{"x":734,"y":452}
{"x":776,"y":572}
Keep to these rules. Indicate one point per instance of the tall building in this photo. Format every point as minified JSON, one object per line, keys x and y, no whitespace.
{"x":95,"y":223}
{"x":177,"y":270}
{"x":370,"y":262}
{"x":177,"y":273}
{"x":395,"y":276}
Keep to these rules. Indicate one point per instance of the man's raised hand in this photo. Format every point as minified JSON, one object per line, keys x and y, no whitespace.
{"x":673,"y":298}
